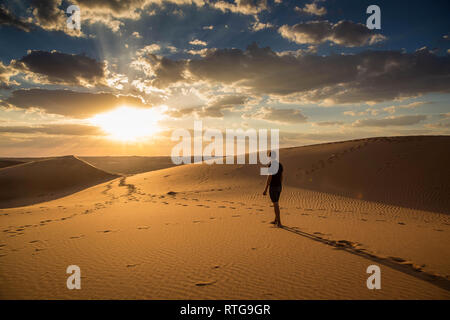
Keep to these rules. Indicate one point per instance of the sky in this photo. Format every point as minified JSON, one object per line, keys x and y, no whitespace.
{"x":137,"y":70}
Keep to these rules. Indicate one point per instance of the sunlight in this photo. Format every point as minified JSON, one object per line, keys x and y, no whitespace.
{"x":127,"y":123}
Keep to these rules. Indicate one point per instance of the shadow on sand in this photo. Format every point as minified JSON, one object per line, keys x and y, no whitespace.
{"x":392,"y":262}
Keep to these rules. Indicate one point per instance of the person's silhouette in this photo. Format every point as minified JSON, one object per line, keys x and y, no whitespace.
{"x":274,"y":183}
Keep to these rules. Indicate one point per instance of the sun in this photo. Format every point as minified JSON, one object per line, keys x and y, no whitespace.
{"x":128,"y":123}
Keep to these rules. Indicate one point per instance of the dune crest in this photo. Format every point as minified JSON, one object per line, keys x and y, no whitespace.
{"x":44,"y":180}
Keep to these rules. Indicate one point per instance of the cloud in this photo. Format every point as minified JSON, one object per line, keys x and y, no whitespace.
{"x":246,"y":7}
{"x":412,"y":105}
{"x":368,"y":76}
{"x":151,"y":48}
{"x":74,"y":104}
{"x":48,"y":15}
{"x":258,"y":25}
{"x":55,"y":129}
{"x":285,"y":116}
{"x":8,"y":19}
{"x":214,"y":108}
{"x":390,"y":121}
{"x":61,"y":68}
{"x":439,"y":125}
{"x":313,"y":9}
{"x":6,"y":72}
{"x":136,"y":35}
{"x":200,"y":52}
{"x":328,"y":123}
{"x":344,"y":33}
{"x":164,"y":71}
{"x":197,"y":42}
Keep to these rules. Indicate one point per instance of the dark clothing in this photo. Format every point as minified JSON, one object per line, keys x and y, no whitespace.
{"x":274,"y":193}
{"x":276,"y":178}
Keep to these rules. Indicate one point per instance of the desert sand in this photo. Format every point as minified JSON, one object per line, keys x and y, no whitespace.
{"x":202,"y":231}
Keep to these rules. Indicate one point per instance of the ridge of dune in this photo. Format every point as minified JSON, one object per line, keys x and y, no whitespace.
{"x":8,"y":163}
{"x":410,"y":172}
{"x":43,"y":180}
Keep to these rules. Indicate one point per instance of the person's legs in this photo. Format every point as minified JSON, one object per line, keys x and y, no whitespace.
{"x":276,"y":208}
{"x":274,"y":193}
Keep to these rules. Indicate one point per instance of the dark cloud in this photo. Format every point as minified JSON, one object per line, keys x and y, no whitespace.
{"x":55,"y":129}
{"x":162,"y":70}
{"x":287,"y":116}
{"x":63,"y":68}
{"x":8,"y":19}
{"x":345,"y":33}
{"x":216,"y":107}
{"x":390,"y":121}
{"x":69,"y":103}
{"x":48,"y":15}
{"x":369,"y":76}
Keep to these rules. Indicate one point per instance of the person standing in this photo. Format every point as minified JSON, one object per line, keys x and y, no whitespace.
{"x":274,"y":184}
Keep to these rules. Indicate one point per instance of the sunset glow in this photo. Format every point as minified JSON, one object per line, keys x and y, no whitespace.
{"x":127,"y":123}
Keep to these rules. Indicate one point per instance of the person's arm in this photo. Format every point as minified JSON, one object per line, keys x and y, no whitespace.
{"x":269,"y":178}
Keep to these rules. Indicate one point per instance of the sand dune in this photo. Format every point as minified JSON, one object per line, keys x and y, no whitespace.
{"x":411,"y":172}
{"x":8,"y":163}
{"x":43,"y":180}
{"x":202,"y":231}
{"x":129,"y":165}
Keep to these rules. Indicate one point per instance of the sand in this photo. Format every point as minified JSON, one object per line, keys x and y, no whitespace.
{"x":202,"y":231}
{"x":42,"y":180}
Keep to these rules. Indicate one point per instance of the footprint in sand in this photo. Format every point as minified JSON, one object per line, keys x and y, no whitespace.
{"x":132,"y":265}
{"x":105,"y":231}
{"x":143,"y":227}
{"x":401,"y":223}
{"x":203,"y":284}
